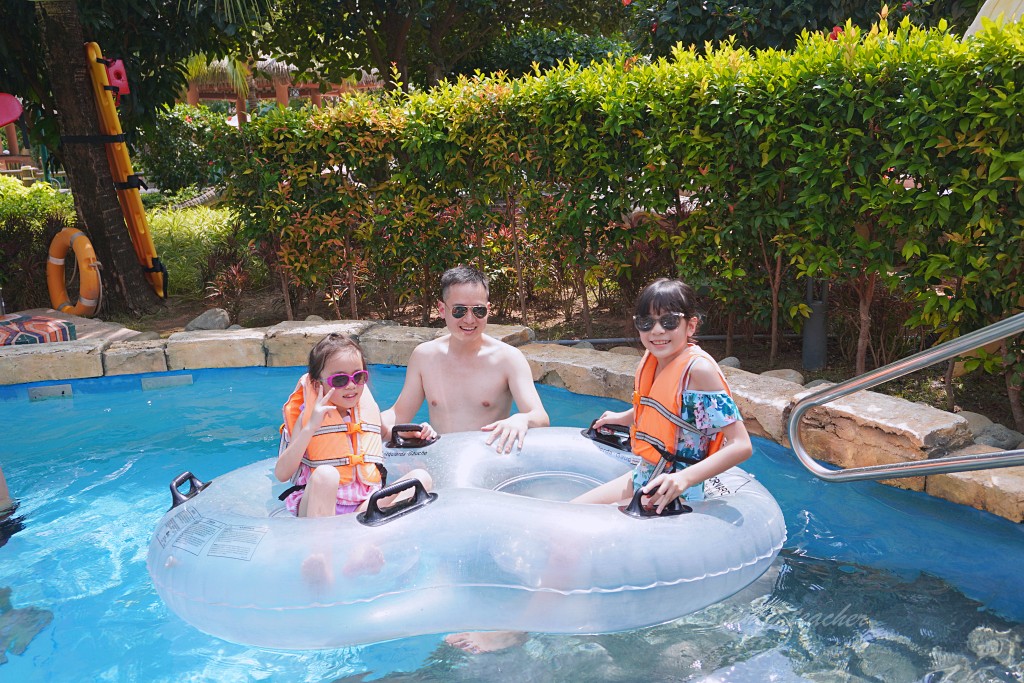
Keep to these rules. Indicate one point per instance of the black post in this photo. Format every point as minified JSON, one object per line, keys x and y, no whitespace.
{"x":815,"y":350}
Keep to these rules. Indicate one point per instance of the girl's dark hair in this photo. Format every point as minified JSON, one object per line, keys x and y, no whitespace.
{"x":667,"y":296}
{"x":327,"y":347}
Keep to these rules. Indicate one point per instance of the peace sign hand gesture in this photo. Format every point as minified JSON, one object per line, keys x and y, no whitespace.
{"x":317,"y":404}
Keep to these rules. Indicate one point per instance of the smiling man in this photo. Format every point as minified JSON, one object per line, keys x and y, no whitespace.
{"x":469,"y":379}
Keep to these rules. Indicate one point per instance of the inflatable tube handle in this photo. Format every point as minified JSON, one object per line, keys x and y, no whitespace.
{"x":194,"y":487}
{"x":616,"y":436}
{"x":397,"y":441}
{"x":636,"y":510}
{"x":374,"y":516}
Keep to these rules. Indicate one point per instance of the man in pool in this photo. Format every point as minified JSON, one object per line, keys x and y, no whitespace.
{"x":469,"y":379}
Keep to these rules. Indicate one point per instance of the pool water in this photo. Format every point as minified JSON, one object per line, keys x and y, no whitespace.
{"x":875,"y":584}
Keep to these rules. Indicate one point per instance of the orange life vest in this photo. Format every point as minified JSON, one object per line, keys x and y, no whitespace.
{"x":354,"y":447}
{"x":657,"y":406}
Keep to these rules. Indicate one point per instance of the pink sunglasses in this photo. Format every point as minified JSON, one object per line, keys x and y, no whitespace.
{"x":340,"y":380}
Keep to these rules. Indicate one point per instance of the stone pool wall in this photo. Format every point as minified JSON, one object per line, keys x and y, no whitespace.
{"x":864,"y":429}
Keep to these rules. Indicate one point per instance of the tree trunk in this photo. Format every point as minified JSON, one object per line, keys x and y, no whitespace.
{"x":350,"y":267}
{"x":866,"y":290}
{"x":510,"y":207}
{"x":288,"y":312}
{"x":1013,"y":392}
{"x":425,"y":316}
{"x":776,"y":286}
{"x":588,"y":326}
{"x":947,"y":382}
{"x":125,"y":286}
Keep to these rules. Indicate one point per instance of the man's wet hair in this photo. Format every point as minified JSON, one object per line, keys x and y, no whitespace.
{"x":463,"y":275}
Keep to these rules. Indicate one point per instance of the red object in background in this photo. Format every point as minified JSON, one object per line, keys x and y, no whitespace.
{"x":907,"y":6}
{"x":836,"y":32}
{"x":626,"y":3}
{"x":118,"y":77}
{"x":10,"y":109}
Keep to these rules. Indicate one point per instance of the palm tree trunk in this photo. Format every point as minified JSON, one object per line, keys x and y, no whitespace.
{"x":88,"y":171}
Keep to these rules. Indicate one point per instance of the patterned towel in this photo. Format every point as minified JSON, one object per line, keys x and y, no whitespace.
{"x":34,"y":329}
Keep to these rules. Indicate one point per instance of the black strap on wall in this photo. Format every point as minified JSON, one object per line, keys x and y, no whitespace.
{"x":132,"y":182}
{"x":158,"y":267}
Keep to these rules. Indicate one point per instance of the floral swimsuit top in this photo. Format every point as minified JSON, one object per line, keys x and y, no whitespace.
{"x":709,"y":411}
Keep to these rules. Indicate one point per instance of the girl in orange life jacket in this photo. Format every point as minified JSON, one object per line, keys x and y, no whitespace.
{"x":681,"y":403}
{"x":330,"y":442}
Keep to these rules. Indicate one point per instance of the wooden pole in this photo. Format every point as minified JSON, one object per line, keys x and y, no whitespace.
{"x":12,"y":138}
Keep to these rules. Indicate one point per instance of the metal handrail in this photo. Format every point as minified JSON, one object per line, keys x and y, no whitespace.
{"x":957,"y":463}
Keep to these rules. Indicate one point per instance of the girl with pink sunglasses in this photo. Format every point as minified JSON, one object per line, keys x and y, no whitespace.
{"x":331,"y":446}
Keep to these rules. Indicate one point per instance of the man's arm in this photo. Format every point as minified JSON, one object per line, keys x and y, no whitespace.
{"x":524,"y":392}
{"x":409,"y":400}
{"x":512,"y":430}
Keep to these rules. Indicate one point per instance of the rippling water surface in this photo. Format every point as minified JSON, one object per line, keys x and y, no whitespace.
{"x":875,"y":584}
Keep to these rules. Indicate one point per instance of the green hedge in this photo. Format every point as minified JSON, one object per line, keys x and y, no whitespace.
{"x":29,"y":218}
{"x":888,"y":159}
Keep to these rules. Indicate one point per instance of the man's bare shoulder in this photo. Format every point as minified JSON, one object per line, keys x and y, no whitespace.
{"x":500,"y":348}
{"x":504,"y":353}
{"x":431,"y":349}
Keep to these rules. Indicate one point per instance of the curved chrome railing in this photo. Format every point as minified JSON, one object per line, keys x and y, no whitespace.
{"x":958,"y":463}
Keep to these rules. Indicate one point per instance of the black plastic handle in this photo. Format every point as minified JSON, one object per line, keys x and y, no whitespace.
{"x":194,"y":487}
{"x":398,"y":441}
{"x":616,"y":436}
{"x":374,"y":516}
{"x":637,"y":510}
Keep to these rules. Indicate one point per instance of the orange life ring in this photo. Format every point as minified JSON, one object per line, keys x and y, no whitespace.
{"x":89,"y":287}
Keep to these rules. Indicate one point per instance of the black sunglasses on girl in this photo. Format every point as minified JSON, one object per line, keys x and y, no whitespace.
{"x":340,"y":380}
{"x":668,"y":322}
{"x":460,"y":311}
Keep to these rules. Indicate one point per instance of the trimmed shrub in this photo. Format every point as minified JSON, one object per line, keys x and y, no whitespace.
{"x":29,"y":218}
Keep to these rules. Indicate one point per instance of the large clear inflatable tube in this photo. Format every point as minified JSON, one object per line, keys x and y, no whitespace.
{"x":484,"y":555}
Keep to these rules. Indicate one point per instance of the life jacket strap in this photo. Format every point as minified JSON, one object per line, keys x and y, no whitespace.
{"x":659,"y":445}
{"x":349,"y":428}
{"x":358,"y":459}
{"x":649,"y":402}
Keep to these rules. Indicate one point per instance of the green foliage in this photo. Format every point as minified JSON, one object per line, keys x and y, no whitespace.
{"x":29,"y":218}
{"x":160,"y":200}
{"x":658,"y":25}
{"x":516,"y":54}
{"x":33,"y":204}
{"x":153,"y":37}
{"x":184,"y":148}
{"x":197,"y":245}
{"x":888,"y":162}
{"x":424,"y":41}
